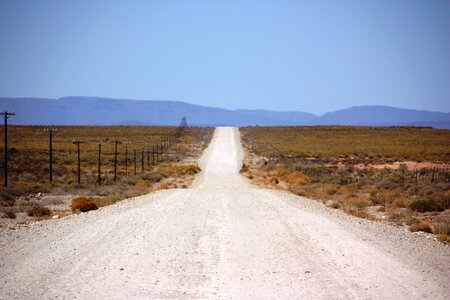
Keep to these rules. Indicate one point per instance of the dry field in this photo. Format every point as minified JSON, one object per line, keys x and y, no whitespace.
{"x":28,"y":153}
{"x":395,"y":174}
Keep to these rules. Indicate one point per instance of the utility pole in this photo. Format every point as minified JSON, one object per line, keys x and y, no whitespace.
{"x":99,"y":163}
{"x":6,"y":115}
{"x":79,"y":160}
{"x":51,"y":132}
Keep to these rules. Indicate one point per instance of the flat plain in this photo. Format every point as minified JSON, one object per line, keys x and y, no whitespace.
{"x":395,"y":174}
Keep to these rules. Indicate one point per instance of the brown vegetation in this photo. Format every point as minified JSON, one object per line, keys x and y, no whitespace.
{"x":29,"y":167}
{"x":83,"y":204}
{"x":39,"y":211}
{"x":420,"y":227}
{"x":336,"y":164}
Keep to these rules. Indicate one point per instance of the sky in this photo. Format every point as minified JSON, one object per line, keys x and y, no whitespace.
{"x":313,"y":56}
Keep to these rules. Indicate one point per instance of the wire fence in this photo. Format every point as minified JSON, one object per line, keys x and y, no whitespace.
{"x":88,"y":161}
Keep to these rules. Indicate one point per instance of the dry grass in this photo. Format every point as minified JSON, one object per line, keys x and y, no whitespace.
{"x":359,"y":213}
{"x":442,"y":228}
{"x":357,"y":143}
{"x":83,"y":204}
{"x":28,"y":152}
{"x":402,"y":202}
{"x":333,"y":204}
{"x":420,"y":227}
{"x":28,"y":155}
{"x":444,"y":238}
{"x":39,"y":211}
{"x":9,"y":213}
{"x":335,"y":164}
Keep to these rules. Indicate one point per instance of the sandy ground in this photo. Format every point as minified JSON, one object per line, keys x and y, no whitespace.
{"x":223,"y":238}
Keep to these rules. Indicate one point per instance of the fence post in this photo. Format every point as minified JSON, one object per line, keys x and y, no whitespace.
{"x":99,"y":163}
{"x":135,"y":168}
{"x":142,"y":161}
{"x":51,"y":131}
{"x":79,"y":160}
{"x":165,"y":142}
{"x":126,"y":160}
{"x":153,"y":154}
{"x":115,"y":161}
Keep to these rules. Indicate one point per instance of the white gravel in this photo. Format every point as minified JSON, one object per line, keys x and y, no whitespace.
{"x":224,"y":238}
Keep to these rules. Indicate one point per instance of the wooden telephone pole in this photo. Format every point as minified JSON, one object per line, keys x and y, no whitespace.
{"x":6,"y":115}
{"x":51,"y":132}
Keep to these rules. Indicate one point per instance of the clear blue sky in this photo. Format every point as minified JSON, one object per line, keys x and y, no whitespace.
{"x":313,"y":56}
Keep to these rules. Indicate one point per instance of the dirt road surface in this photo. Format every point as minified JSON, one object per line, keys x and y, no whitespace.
{"x":221,"y":239}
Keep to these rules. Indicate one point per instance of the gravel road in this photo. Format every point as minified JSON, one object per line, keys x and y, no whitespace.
{"x":223,"y":238}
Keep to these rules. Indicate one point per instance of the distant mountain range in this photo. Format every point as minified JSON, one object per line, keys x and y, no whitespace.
{"x":104,"y":111}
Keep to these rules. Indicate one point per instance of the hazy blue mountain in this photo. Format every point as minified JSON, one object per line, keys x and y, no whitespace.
{"x":104,"y":111}
{"x":282,"y":117}
{"x":384,"y":116}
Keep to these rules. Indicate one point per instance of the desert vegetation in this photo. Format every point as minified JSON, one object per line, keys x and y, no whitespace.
{"x":394,"y":174}
{"x":144,"y":163}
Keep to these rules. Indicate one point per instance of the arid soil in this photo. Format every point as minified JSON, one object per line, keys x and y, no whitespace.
{"x":224,"y":238}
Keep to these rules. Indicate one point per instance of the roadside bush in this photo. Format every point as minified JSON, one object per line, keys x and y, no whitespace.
{"x":154,"y":177}
{"x":9,"y":213}
{"x":357,"y":203}
{"x":411,"y":221}
{"x":402,"y":202}
{"x":83,"y":204}
{"x":331,"y":191}
{"x":297,"y":178}
{"x":422,"y":205}
{"x":442,"y":228}
{"x":318,"y":174}
{"x":27,"y":177}
{"x":390,"y":180}
{"x":383,"y":198}
{"x":190,"y":169}
{"x":333,"y":204}
{"x":420,"y":227}
{"x":38,"y":211}
{"x":444,"y":238}
{"x":358,"y":213}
